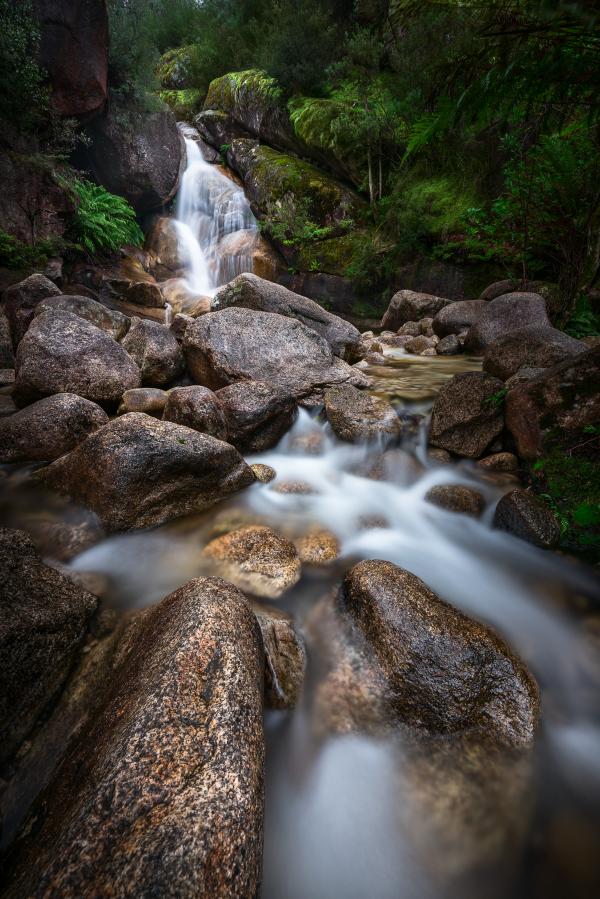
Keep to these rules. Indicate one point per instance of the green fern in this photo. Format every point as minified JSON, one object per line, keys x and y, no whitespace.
{"x":103,"y":221}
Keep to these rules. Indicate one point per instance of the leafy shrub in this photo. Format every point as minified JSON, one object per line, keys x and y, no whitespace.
{"x":24,"y":97}
{"x":103,"y":221}
{"x":15,"y":254}
{"x":584,"y":322}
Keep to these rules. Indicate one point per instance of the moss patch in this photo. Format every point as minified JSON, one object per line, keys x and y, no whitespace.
{"x":185,"y":103}
{"x":236,"y":91}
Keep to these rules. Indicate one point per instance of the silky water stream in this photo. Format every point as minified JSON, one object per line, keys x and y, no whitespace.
{"x":354,"y":816}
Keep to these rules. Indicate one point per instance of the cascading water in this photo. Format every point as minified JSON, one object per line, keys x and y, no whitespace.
{"x":216,"y":229}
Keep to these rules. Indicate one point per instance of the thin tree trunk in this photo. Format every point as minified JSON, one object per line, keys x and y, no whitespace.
{"x":370,"y":165}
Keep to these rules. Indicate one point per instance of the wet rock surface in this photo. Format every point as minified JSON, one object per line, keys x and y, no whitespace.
{"x":43,"y":620}
{"x":285,"y":657}
{"x":63,"y":353}
{"x":531,"y":347}
{"x":456,"y":498}
{"x":114,"y":323}
{"x":255,"y":559}
{"x":139,"y":472}
{"x":466,"y":416}
{"x":256,"y":414}
{"x":240,"y":345}
{"x":357,"y":417}
{"x":163,"y":791}
{"x":523,"y":515}
{"x":250,"y":292}
{"x":409,"y":306}
{"x":155,"y":351}
{"x":49,"y":428}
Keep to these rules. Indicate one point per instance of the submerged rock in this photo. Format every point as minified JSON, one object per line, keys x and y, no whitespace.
{"x":457,"y":498}
{"x":198,"y":408}
{"x":255,"y":559}
{"x":466,"y":415}
{"x":250,"y":292}
{"x":43,"y":621}
{"x":138,"y":472}
{"x":257,"y":415}
{"x":242,"y":345}
{"x":63,"y":353}
{"x":285,"y":657}
{"x":156,"y":352}
{"x":409,"y":306}
{"x":522,"y":514}
{"x":49,"y":428}
{"x":162,"y":792}
{"x":357,"y":417}
{"x":318,"y":547}
{"x":114,"y":323}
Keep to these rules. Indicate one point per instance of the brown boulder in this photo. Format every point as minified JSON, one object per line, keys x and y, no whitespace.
{"x":358,"y":417}
{"x":197,"y":408}
{"x":138,"y":472}
{"x":458,"y":317}
{"x":162,"y":242}
{"x":143,"y":399}
{"x":43,"y":621}
{"x":409,"y":306}
{"x":531,"y":347}
{"x":255,"y":559}
{"x":564,"y":400}
{"x":525,"y":516}
{"x":250,"y":292}
{"x":49,"y":428}
{"x":257,"y":414}
{"x":63,"y":353}
{"x":20,"y":302}
{"x":457,"y":498}
{"x":242,"y":345}
{"x":155,"y":351}
{"x":449,"y":346}
{"x":465,"y":416}
{"x":503,"y":314}
{"x":114,"y":323}
{"x":162,"y":792}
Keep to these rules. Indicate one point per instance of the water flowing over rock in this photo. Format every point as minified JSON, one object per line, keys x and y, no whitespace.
{"x":409,"y":306}
{"x":110,"y":472}
{"x":155,"y":351}
{"x":43,"y":620}
{"x":504,"y":314}
{"x":356,"y":417}
{"x":162,"y":793}
{"x":74,"y":53}
{"x":136,"y":154}
{"x":536,"y":346}
{"x":63,"y":353}
{"x":257,"y":414}
{"x":49,"y":428}
{"x":21,"y":300}
{"x":114,"y":323}
{"x":466,"y":416}
{"x":255,"y":559}
{"x":564,"y":399}
{"x":250,"y":292}
{"x":240,"y":344}
{"x":456,"y":498}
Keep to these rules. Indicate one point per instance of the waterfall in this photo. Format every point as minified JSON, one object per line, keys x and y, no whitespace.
{"x":216,"y":229}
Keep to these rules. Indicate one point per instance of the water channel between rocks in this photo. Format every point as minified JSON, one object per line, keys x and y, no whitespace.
{"x":354,"y":816}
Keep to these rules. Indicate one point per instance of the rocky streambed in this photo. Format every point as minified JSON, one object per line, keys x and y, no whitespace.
{"x":279,"y":616}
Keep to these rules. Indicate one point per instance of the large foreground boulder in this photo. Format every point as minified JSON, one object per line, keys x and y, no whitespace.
{"x":162,"y":794}
{"x":537,"y":346}
{"x":467,"y":414}
{"x":561,"y":401}
{"x":358,"y":417}
{"x":43,"y":620}
{"x":257,"y":414}
{"x":409,"y":306}
{"x":136,"y":154}
{"x":155,"y":350}
{"x":74,"y":53}
{"x":240,"y":345}
{"x":49,"y":428}
{"x":444,"y":674}
{"x":63,"y":353}
{"x":251,"y":292}
{"x":140,"y":472}
{"x":114,"y":323}
{"x":503,"y":314}
{"x":21,"y":300}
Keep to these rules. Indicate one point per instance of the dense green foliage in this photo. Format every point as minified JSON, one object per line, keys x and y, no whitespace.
{"x":16,"y":254}
{"x":103,"y":221}
{"x":23,"y":99}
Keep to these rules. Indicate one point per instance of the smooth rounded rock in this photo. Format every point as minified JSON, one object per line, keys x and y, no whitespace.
{"x":448,"y":346}
{"x":114,"y":323}
{"x":410,"y":306}
{"x":525,"y":516}
{"x":257,"y":414}
{"x":504,"y":314}
{"x":20,"y":301}
{"x":458,"y":317}
{"x":357,"y":417}
{"x":198,"y":408}
{"x":150,"y":400}
{"x":534,"y":347}
{"x":155,"y":350}
{"x":466,"y":415}
{"x":255,"y":559}
{"x":456,"y":498}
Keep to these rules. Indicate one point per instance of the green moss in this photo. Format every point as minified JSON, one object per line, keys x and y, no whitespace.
{"x":568,"y":480}
{"x":238,"y":90}
{"x":18,"y":255}
{"x":174,"y":68}
{"x":185,"y":103}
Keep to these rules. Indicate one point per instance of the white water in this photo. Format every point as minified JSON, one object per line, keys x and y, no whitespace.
{"x":216,"y":229}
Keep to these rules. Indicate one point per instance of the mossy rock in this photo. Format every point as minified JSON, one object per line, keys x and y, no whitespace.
{"x":332,"y":256}
{"x":184,"y":103}
{"x":174,"y":69}
{"x":270,"y":177}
